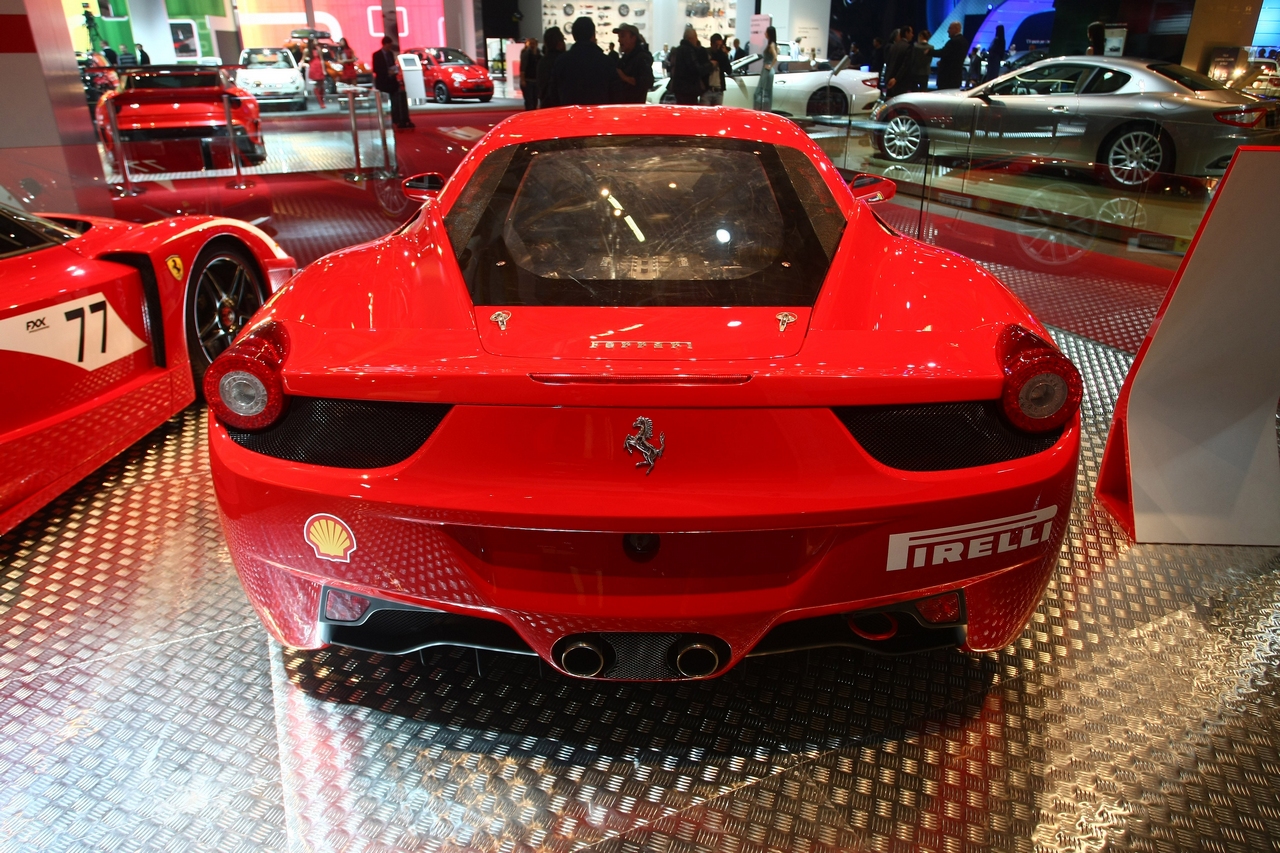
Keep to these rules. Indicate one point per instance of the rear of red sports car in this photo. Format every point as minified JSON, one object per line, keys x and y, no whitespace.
{"x":643,"y":400}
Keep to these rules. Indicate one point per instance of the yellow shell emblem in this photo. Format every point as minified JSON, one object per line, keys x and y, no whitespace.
{"x":330,"y":537}
{"x":174,"y":263}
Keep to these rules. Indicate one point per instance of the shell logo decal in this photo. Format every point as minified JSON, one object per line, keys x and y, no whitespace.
{"x":330,"y":537}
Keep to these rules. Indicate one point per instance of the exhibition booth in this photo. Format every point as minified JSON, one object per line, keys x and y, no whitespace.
{"x":862,"y":473}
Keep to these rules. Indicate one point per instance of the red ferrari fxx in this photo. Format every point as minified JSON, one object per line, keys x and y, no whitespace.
{"x":642,"y":391}
{"x":176,"y":118}
{"x":106,"y":329}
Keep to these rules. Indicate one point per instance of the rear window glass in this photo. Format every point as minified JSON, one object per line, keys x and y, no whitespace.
{"x":258,"y":58}
{"x":21,"y":232}
{"x":185,"y":80}
{"x":1106,"y":81}
{"x":1183,"y":76}
{"x":449,"y":56}
{"x":630,"y":221}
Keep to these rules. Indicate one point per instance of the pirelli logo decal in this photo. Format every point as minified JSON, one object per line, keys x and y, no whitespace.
{"x":968,"y":541}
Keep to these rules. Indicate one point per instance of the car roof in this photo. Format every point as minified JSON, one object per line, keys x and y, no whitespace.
{"x":654,"y":120}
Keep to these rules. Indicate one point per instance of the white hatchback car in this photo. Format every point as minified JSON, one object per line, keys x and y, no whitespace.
{"x":800,"y":87}
{"x":271,"y":75}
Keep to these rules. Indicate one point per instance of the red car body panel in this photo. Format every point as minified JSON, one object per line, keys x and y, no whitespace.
{"x":769,"y":510}
{"x":72,"y":418}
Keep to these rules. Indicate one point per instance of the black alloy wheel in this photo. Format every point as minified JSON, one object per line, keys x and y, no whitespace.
{"x":224,"y":291}
{"x":828,"y":101}
{"x":442,"y":93}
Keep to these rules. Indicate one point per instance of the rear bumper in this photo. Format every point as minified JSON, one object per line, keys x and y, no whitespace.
{"x":467,"y":526}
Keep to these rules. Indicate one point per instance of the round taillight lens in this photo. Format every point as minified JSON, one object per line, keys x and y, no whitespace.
{"x":243,"y":385}
{"x":243,"y":393}
{"x":1042,"y":390}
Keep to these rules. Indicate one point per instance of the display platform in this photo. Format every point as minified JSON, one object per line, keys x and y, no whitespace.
{"x":145,"y":708}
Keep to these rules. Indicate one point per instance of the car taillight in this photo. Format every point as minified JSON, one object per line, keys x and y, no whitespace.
{"x":243,"y":384}
{"x":1242,"y":117}
{"x":1042,"y":388}
{"x":873,"y":82}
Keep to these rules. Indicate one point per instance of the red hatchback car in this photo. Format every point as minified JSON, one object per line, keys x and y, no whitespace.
{"x":174,"y":118}
{"x":643,"y":391}
{"x":450,"y":74}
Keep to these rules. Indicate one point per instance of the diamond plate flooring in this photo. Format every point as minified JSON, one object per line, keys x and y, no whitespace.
{"x":143,"y":708}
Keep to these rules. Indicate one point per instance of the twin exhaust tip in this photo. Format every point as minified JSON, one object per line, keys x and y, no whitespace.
{"x":588,"y":656}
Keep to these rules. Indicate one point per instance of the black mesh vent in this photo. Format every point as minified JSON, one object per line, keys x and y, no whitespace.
{"x":940,"y":436}
{"x":641,"y":657}
{"x":346,"y":433}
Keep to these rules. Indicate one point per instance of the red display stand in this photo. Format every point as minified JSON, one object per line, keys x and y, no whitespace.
{"x":1192,"y":455}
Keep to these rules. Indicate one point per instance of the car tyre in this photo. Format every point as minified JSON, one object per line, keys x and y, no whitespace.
{"x":1134,"y":156}
{"x":484,"y":99}
{"x":828,"y":101}
{"x":441,"y":92}
{"x":224,"y":289}
{"x":903,"y":138}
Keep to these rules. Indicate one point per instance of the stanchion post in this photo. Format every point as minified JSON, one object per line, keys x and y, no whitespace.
{"x":355,"y":134}
{"x":121,"y":156}
{"x":234,"y":149}
{"x":382,"y":131}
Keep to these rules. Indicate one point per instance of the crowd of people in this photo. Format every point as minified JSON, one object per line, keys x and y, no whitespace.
{"x":905,"y":63}
{"x":556,"y":75}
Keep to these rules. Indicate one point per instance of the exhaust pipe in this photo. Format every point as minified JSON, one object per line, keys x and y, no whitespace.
{"x":875,"y":627}
{"x":583,"y":659}
{"x":697,"y":660}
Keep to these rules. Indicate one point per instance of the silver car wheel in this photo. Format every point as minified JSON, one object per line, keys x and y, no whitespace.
{"x":902,"y":137}
{"x":1135,"y":157}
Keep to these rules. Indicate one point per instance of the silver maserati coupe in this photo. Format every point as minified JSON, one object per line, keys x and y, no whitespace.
{"x":1128,"y":120}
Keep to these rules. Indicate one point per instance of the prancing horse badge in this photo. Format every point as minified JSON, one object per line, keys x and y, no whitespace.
{"x":641,"y":441}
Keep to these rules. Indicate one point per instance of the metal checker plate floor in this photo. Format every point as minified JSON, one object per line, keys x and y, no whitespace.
{"x":143,"y":708}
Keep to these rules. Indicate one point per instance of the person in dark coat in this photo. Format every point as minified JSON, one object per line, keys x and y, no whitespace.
{"x":143,"y":57}
{"x":109,"y":54}
{"x":951,"y":59}
{"x":876,"y":60}
{"x":975,"y":66}
{"x":552,"y":50}
{"x":386,"y":78}
{"x":995,"y":54}
{"x":1097,"y":35}
{"x":897,"y":63}
{"x":717,"y":78}
{"x":738,"y":51}
{"x":635,"y":67}
{"x":529,"y":73}
{"x":585,"y":74}
{"x":921,"y":60}
{"x":689,"y":69}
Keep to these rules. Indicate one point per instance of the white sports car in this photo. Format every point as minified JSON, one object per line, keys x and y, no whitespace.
{"x":271,"y":75}
{"x":800,"y":87}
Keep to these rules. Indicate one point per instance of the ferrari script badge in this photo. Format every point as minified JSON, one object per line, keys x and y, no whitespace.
{"x":640,"y":441}
{"x":174,"y":263}
{"x":330,"y":537}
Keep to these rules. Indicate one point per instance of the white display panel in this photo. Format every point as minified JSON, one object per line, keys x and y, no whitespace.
{"x":607,"y":16}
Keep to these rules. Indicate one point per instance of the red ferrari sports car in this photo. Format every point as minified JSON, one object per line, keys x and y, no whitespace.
{"x":174,"y":119}
{"x":449,"y":74}
{"x":104,"y":325}
{"x":642,"y":391}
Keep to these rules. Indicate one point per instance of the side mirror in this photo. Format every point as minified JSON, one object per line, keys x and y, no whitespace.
{"x":841,"y":65}
{"x":872,"y":188}
{"x":424,"y":186}
{"x":982,"y":96}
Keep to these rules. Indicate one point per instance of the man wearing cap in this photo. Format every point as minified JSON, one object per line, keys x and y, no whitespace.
{"x":584,"y":74}
{"x":635,"y":67}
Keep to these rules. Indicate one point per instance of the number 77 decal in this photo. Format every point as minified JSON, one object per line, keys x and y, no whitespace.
{"x":78,"y":314}
{"x":41,"y":333}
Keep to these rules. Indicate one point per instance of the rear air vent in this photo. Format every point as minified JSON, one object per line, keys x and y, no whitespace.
{"x":346,"y":433}
{"x":940,"y":436}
